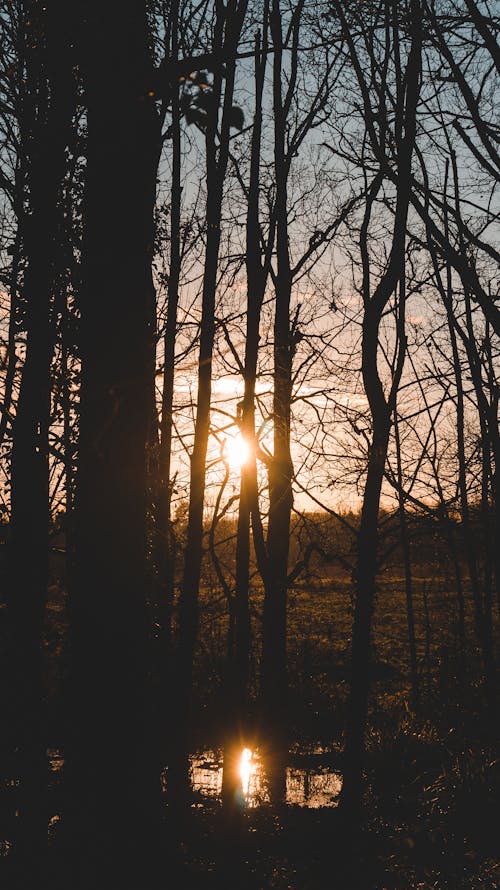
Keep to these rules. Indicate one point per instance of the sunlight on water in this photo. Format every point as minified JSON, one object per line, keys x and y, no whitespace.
{"x":313,"y":786}
{"x":52,"y":827}
{"x":246,"y":769}
{"x":206,"y":774}
{"x":56,"y":759}
{"x":307,"y":780}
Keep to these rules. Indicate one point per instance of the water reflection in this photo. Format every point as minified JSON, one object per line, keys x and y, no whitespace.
{"x":266,"y":778}
{"x":311,"y":786}
{"x":56,"y":759}
{"x":246,"y":769}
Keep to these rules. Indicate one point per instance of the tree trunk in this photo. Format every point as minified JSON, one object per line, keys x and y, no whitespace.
{"x":365,"y":587}
{"x":113,"y":780}
{"x":164,"y":549}
{"x":226,"y":38}
{"x":273,"y":679}
{"x":405,"y":544}
{"x":482,"y":606}
{"x":239,"y":654}
{"x":44,"y":129}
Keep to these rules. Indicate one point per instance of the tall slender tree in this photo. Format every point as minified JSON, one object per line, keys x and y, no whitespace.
{"x":227,"y":29}
{"x":257,"y":272}
{"x":46,"y":108}
{"x":391,"y":285}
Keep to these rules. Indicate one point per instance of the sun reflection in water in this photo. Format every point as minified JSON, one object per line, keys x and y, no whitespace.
{"x":245,"y":769}
{"x":314,"y":785}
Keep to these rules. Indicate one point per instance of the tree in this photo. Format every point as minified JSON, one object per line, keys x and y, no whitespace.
{"x":227,"y":29}
{"x":257,"y":272}
{"x":114,"y":817}
{"x":391,"y":285}
{"x":45,"y":116}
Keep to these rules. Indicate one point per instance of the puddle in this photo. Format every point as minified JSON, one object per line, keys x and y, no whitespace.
{"x":308,"y":779}
{"x":311,"y":786}
{"x":56,"y":759}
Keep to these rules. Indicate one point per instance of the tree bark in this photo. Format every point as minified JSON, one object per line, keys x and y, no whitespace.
{"x":113,"y":780}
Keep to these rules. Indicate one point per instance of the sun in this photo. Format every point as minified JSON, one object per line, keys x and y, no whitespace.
{"x":236,"y":451}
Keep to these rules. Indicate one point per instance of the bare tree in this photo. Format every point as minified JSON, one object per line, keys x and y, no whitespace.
{"x":227,"y":28}
{"x":45,"y":116}
{"x":391,"y":285}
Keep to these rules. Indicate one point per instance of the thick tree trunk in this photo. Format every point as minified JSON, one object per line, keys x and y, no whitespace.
{"x":114,"y":785}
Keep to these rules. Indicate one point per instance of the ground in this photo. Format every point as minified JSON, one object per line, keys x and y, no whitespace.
{"x":432,"y":803}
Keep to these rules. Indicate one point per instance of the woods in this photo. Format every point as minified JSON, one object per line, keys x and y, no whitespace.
{"x":249,"y":440}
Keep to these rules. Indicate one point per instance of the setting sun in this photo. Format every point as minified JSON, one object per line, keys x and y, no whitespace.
{"x":236,"y":451}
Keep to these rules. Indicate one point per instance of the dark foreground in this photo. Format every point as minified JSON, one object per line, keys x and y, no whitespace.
{"x":432,"y":804}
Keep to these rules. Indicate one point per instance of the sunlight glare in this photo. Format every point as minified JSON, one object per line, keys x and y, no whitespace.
{"x":236,"y":451}
{"x":245,"y":769}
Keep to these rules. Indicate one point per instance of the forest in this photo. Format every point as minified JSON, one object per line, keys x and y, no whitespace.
{"x":249,"y":444}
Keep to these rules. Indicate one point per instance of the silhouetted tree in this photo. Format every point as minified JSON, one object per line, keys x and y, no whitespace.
{"x":45,"y":106}
{"x":113,"y":817}
{"x":227,"y":28}
{"x":391,"y":285}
